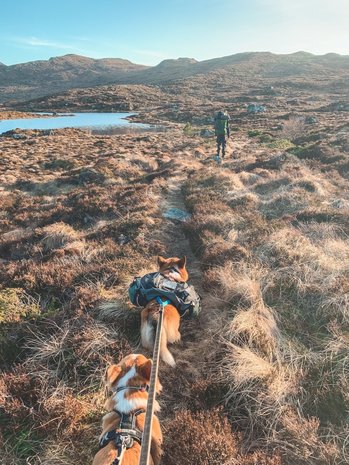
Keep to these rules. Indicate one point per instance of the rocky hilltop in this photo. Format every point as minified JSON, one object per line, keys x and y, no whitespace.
{"x":31,"y":80}
{"x":257,"y":64}
{"x":27,"y":80}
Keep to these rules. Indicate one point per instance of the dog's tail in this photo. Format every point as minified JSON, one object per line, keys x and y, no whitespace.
{"x":165,"y":354}
{"x":148,"y":329}
{"x":148,"y":333}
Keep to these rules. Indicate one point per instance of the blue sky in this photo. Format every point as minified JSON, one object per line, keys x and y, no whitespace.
{"x":148,"y":31}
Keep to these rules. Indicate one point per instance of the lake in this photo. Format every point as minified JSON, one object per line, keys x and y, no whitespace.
{"x":98,"y":121}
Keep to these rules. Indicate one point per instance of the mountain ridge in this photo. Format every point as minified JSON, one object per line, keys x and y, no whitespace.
{"x":34,"y":79}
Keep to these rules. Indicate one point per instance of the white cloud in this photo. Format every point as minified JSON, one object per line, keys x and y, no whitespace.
{"x":36,"y":42}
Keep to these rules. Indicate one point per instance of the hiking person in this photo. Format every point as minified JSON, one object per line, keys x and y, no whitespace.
{"x":221,"y":128}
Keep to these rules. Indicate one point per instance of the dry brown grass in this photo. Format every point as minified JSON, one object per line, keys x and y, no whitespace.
{"x":293,"y":128}
{"x":62,"y":226}
{"x":81,"y":217}
{"x":76,"y":352}
{"x":244,"y":366}
{"x":206,"y":438}
{"x":281,"y":305}
{"x":57,"y":235}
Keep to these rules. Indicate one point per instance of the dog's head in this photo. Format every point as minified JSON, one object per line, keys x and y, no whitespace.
{"x":173,"y":268}
{"x":132,"y":371}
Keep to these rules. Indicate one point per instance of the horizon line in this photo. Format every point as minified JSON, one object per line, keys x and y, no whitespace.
{"x":178,"y":58}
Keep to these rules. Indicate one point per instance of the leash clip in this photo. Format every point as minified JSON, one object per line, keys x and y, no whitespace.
{"x":161,"y":302}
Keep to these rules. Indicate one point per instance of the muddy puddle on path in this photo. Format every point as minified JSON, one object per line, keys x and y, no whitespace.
{"x":176,"y":214}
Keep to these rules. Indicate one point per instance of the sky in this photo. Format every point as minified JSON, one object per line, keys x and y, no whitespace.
{"x":149,"y":31}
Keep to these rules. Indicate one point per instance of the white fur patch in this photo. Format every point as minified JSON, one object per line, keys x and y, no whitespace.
{"x":127,"y":376}
{"x":167,"y":357}
{"x":147,"y":335}
{"x":174,"y":275}
{"x":128,"y":404}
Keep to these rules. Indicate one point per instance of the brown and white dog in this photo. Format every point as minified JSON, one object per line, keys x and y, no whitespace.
{"x":175,"y":270}
{"x":129,"y":382}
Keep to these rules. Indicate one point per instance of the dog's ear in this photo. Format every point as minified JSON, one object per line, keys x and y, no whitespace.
{"x":161,"y":260}
{"x":145,"y":369}
{"x":112,"y":374}
{"x":182,"y":262}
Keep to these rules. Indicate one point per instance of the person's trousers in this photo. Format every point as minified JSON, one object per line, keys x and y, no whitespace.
{"x":221,"y":142}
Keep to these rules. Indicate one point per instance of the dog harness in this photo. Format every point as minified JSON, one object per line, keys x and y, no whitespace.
{"x":123,"y":436}
{"x":126,"y":433}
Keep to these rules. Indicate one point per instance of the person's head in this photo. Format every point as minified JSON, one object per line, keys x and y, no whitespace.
{"x":221,"y":114}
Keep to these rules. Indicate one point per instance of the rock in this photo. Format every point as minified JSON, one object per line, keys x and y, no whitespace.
{"x":14,"y":134}
{"x":206,"y":133}
{"x":311,"y":120}
{"x":90,"y":175}
{"x":122,"y":239}
{"x":176,"y":214}
{"x":340,"y":203}
{"x":255,"y":108}
{"x":16,"y":234}
{"x":199,"y":153}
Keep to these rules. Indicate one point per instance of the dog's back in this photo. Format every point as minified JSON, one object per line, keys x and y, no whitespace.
{"x":174,"y":269}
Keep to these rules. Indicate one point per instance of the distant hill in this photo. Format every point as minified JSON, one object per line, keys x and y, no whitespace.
{"x":264,"y":64}
{"x":37,"y":78}
{"x":31,"y":80}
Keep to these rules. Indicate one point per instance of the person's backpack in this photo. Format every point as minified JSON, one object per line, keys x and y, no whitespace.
{"x":182,"y":295}
{"x":221,"y":124}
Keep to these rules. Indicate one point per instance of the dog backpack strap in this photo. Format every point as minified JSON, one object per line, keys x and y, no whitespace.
{"x":134,"y":291}
{"x":108,"y":437}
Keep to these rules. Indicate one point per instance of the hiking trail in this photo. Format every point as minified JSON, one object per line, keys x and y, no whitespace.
{"x":188,"y":353}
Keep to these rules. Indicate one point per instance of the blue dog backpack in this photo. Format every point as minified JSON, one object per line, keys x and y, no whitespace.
{"x":182,"y":295}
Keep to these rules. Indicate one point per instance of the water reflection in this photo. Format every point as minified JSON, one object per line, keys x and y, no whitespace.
{"x":94,"y":121}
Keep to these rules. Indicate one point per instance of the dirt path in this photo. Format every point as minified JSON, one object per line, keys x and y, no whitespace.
{"x":190,"y":367}
{"x":172,"y":232}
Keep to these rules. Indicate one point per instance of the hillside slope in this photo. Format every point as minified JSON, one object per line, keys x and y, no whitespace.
{"x":261,"y":375}
{"x":35,"y":79}
{"x":43,"y":77}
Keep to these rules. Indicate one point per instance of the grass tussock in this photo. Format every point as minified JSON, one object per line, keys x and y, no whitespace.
{"x":57,"y":235}
{"x":283,"y":307}
{"x":76,"y":352}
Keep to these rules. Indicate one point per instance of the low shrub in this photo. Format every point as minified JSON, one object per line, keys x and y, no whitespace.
{"x":254,"y":133}
{"x":15,"y":304}
{"x":282,"y":144}
{"x":265,"y":138}
{"x":202,"y":438}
